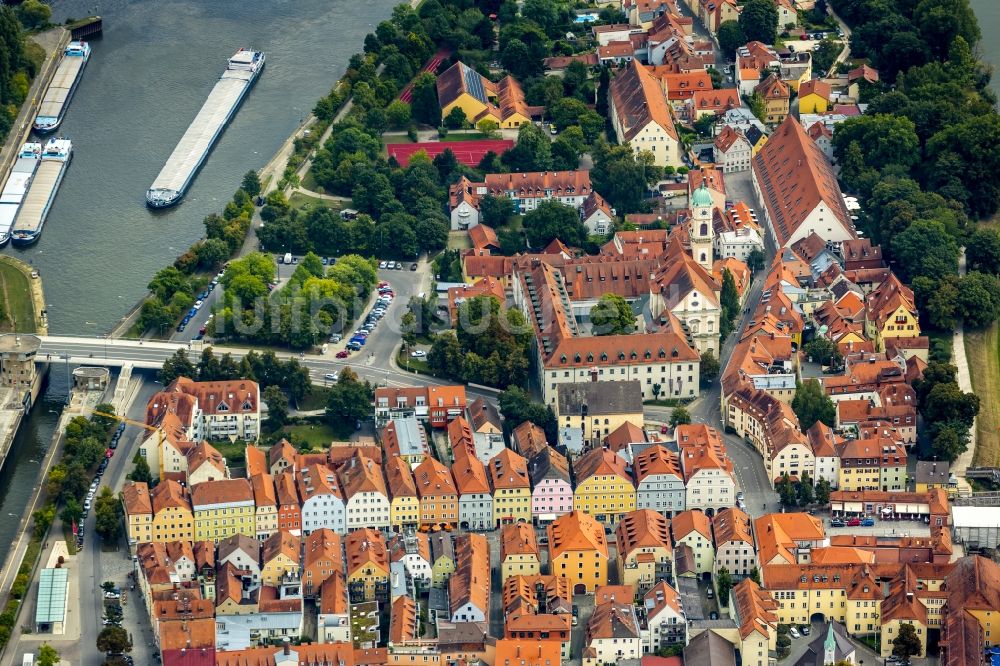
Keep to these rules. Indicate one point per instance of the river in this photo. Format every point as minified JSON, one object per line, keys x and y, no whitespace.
{"x":988,"y":13}
{"x":148,"y":76}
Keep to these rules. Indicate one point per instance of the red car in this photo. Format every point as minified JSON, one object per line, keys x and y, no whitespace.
{"x":854,"y":522}
{"x":343,"y":353}
{"x":108,"y":453}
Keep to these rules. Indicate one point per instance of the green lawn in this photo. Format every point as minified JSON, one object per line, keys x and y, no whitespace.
{"x":233,"y":452}
{"x":467,"y":136}
{"x":982,"y":348}
{"x":459,"y":240}
{"x":309,"y":182}
{"x":416,"y":365}
{"x":317,"y":435}
{"x":300,"y":201}
{"x":15,"y":294}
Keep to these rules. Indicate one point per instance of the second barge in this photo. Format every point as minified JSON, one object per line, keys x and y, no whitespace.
{"x":60,"y":91}
{"x":193,"y":148}
{"x":42,"y":191}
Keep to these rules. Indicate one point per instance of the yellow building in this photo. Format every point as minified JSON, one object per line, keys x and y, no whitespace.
{"x":367,"y":564}
{"x":932,"y":474}
{"x":974,"y":586}
{"x":604,"y":487}
{"x":598,"y":408}
{"x":872,"y":464}
{"x":890,"y":313}
{"x":404,"y":504}
{"x":519,"y":554}
{"x":173,"y":519}
{"x":266,"y":500}
{"x":578,"y":551}
{"x":645,"y":554}
{"x":814,"y":96}
{"x":776,"y":96}
{"x":757,"y":141}
{"x":442,"y":558}
{"x":138,"y":512}
{"x":511,"y":487}
{"x":480,"y":99}
{"x":222,"y":509}
{"x":280,"y":553}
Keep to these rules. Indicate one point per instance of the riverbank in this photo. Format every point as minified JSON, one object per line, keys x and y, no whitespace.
{"x":23,"y":298}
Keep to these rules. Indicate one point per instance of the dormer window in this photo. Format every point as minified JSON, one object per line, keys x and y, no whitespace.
{"x":223,"y":407}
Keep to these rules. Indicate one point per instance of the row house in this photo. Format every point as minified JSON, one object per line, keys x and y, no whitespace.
{"x":280,"y":556}
{"x":265,"y":499}
{"x":436,"y":492}
{"x":538,"y":608}
{"x":693,"y":529}
{"x":659,"y":481}
{"x":666,"y":623}
{"x":612,"y":634}
{"x":877,"y":463}
{"x":519,"y":554}
{"x":552,"y":489}
{"x":163,"y":514}
{"x":322,"y":499}
{"x":645,"y":552}
{"x":414,"y":551}
{"x":469,"y":586}
{"x":734,"y":546}
{"x":578,"y":551}
{"x":604,"y":486}
{"x":709,"y":478}
{"x":753,"y":611}
{"x":404,"y":503}
{"x":511,"y":485}
{"x":527,"y":190}
{"x":404,"y":437}
{"x":223,"y":508}
{"x":367,"y":571}
{"x":323,"y":557}
{"x":475,"y":498}
{"x":333,"y":620}
{"x":367,"y":496}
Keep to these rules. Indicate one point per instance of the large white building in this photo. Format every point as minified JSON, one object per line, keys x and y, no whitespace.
{"x":367,"y":501}
{"x":734,"y":547}
{"x":708,"y":472}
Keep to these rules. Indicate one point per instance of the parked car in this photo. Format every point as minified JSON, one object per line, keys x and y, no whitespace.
{"x":332,"y":376}
{"x":413,"y":267}
{"x":336,"y":337}
{"x":383,"y":264}
{"x":805,"y":629}
{"x":854,"y":522}
{"x":868,"y":522}
{"x":419,"y":353}
{"x":343,"y":353}
{"x":354,"y":346}
{"x":837,"y":522}
{"x":391,"y":265}
{"x":793,"y":632}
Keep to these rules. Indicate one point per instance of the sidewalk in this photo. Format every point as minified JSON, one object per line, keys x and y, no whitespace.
{"x":964,"y":379}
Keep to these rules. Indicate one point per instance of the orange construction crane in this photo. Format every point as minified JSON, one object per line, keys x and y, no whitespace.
{"x":156,"y":429}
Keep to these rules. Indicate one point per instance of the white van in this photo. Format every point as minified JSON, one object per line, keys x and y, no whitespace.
{"x":28,"y":660}
{"x":288,"y":258}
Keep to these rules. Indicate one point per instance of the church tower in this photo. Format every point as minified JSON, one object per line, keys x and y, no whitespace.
{"x":700,"y":227}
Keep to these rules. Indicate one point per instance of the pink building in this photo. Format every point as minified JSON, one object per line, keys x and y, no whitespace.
{"x":552,"y":493}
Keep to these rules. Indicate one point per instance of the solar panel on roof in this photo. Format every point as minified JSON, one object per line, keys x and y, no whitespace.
{"x":474,"y":84}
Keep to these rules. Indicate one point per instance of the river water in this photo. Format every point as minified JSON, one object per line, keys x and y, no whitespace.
{"x":148,"y":76}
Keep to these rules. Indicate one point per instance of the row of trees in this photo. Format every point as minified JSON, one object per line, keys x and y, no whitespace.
{"x":265,"y":368}
{"x":16,"y":68}
{"x":948,"y":412}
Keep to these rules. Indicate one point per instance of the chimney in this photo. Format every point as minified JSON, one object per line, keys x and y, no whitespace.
{"x":285,"y":650}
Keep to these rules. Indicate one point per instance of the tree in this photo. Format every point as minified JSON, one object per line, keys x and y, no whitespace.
{"x":517,"y":407}
{"x":424,"y":100}
{"x":823,"y":351}
{"x":757,"y":106}
{"x":925,"y":248}
{"x":812,"y":404}
{"x":759,"y":21}
{"x":71,"y":512}
{"x":251,"y":183}
{"x":141,"y":473}
{"x":47,"y":655}
{"x":350,"y":401}
{"x":949,"y":441}
{"x":805,"y":491}
{"x":906,"y":644}
{"x":398,"y":114}
{"x":566,"y":111}
{"x":277,"y":407}
{"x":982,"y":250}
{"x":34,"y":13}
{"x":823,"y":492}
{"x":679,"y":416}
{"x":979,"y":299}
{"x":709,"y":367}
{"x":755,"y":260}
{"x":947,"y":402}
{"x":456,"y":118}
{"x":724,"y":581}
{"x":786,"y":491}
{"x":212,"y":252}
{"x":533,"y":151}
{"x":731,"y":37}
{"x":496,"y":211}
{"x":113,"y":640}
{"x":176,"y":366}
{"x":612,"y":316}
{"x":108,"y":515}
{"x":552,"y":219}
{"x":755,"y":575}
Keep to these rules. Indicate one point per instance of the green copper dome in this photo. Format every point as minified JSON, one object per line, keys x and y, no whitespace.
{"x":701,"y":198}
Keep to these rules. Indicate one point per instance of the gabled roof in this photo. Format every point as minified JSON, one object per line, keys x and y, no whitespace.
{"x":285,"y":487}
{"x":433,"y":479}
{"x":317,"y":480}
{"x":691,"y":521}
{"x":816,"y":86}
{"x":280,"y":543}
{"x":362,"y":475}
{"x":135,"y":496}
{"x":612,"y":620}
{"x":364,"y":547}
{"x":529,"y":439}
{"x":399,"y":477}
{"x":662,"y":596}
{"x":755,"y":609}
{"x":644,"y":528}
{"x":508,"y":470}
{"x":470,"y":584}
{"x":324,"y":544}
{"x":638,"y":100}
{"x":656,"y":460}
{"x":469,"y":473}
{"x":549,"y":464}
{"x":731,"y":525}
{"x":625,"y":434}
{"x":600,"y":462}
{"x":517,"y":539}
{"x":226,"y":491}
{"x":263,"y":490}
{"x":576,"y":531}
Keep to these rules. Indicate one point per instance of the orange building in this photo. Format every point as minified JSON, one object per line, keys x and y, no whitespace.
{"x":437,"y":493}
{"x":578,"y":550}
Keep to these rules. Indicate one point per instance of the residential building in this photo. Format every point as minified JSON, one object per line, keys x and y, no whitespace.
{"x":799,"y":189}
{"x":538,"y":608}
{"x":552,"y":490}
{"x":645,"y":552}
{"x":414,"y":551}
{"x":266,"y":502}
{"x":406,"y":438}
{"x":223,"y":508}
{"x":531,"y":653}
{"x":280,"y":555}
{"x":931,"y":474}
{"x":508,"y":473}
{"x":708,"y":648}
{"x":709,"y":479}
{"x":404,"y":503}
{"x":598,"y":408}
{"x":872,"y":464}
{"x":612,"y":634}
{"x":753,"y":610}
{"x":322,"y":499}
{"x":138,"y":509}
{"x":289,"y":505}
{"x":604,"y":487}
{"x":578,"y":551}
{"x":442,"y":558}
{"x":788,"y":538}
{"x":890,"y":313}
{"x":469,"y":586}
{"x":205,"y":463}
{"x":436,"y":405}
{"x":693,"y":528}
{"x":706,"y":102}
{"x":364,"y":488}
{"x":641,"y":116}
{"x":323,"y":556}
{"x":475,"y":497}
{"x":973,"y":596}
{"x":666,"y":623}
{"x":776,"y":95}
{"x":333,"y":623}
{"x":815,"y":96}
{"x":367,"y":565}
{"x":281,"y":456}
{"x":173,"y":518}
{"x":527,"y":190}
{"x":243,"y":553}
{"x":734,"y":546}
{"x":732,"y":150}
{"x":437,"y":493}
{"x":216,"y":409}
{"x":518,"y":551}
{"x":659,"y":481}
{"x":597,"y":215}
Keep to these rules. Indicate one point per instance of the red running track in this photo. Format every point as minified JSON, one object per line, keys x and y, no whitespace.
{"x":431,"y":66}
